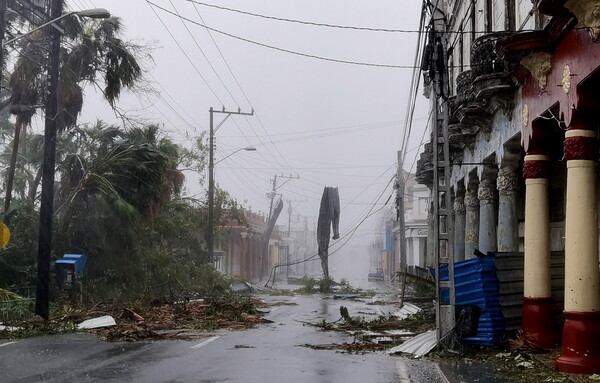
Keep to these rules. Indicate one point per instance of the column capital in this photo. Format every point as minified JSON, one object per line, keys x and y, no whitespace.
{"x":459,"y":204}
{"x":471,"y":200}
{"x":486,"y":192}
{"x":508,"y":180}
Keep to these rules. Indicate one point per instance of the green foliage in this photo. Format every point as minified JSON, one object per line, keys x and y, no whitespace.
{"x":118,"y":202}
{"x":420,"y":288}
{"x":344,"y":287}
{"x":309,"y":286}
{"x":13,"y":306}
{"x":17,"y":260}
{"x":325,"y":285}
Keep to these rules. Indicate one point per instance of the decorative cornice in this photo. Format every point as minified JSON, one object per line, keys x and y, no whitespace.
{"x":539,"y":65}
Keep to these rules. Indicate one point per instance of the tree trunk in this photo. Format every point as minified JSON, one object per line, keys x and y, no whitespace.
{"x":34,"y":185}
{"x":13,"y":164}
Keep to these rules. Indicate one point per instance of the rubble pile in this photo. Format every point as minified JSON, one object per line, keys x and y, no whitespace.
{"x":180,"y":320}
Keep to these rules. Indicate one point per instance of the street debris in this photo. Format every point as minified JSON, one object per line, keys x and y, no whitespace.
{"x":189,"y":319}
{"x":406,"y":310}
{"x":8,"y":328}
{"x":103,"y":321}
{"x":246,"y":287}
{"x":376,"y":334}
{"x":351,"y":348}
{"x":418,"y":346}
{"x":345,"y":296}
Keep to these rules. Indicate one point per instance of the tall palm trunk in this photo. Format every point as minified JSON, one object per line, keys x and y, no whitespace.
{"x":13,"y":163}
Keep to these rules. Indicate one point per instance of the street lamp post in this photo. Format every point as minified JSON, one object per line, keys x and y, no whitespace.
{"x":95,"y":13}
{"x":49,"y":153}
{"x":247,"y":148}
{"x":211,"y":181}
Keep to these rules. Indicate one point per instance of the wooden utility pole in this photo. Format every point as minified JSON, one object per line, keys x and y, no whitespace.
{"x":48,"y":163}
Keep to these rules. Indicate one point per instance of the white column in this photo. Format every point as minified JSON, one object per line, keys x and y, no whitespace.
{"x":508,"y":223}
{"x":471,"y":223}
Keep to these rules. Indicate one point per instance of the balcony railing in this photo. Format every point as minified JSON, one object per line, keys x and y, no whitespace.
{"x":484,"y":56}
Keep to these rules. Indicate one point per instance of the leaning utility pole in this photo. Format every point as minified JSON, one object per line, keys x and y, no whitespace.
{"x":273,"y":193}
{"x":48,"y":163}
{"x":211,"y":181}
{"x":267,"y":235}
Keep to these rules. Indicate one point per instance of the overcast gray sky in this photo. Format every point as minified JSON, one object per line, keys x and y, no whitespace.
{"x":331,"y":124}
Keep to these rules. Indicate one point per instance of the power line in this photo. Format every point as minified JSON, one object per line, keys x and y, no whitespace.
{"x":414,"y":87}
{"x":326,"y":25}
{"x":184,"y":52}
{"x":242,"y":90}
{"x":303,"y":22}
{"x":204,"y":55}
{"x":282,"y":49}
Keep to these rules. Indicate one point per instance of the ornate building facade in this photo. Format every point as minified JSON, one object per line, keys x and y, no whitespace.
{"x":523,"y":99}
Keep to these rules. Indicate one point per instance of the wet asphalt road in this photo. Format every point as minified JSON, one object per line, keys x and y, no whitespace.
{"x":269,"y":353}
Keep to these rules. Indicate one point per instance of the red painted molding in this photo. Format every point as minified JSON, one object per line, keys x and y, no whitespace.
{"x":581,"y":148}
{"x":536,"y":169}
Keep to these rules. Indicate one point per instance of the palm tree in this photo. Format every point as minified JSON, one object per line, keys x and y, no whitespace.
{"x":94,"y":54}
{"x":112,"y":185}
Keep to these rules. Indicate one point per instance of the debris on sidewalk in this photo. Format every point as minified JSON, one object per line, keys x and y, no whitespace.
{"x":407,"y":310}
{"x":103,"y":321}
{"x":8,"y":328}
{"x":345,"y":296}
{"x":233,"y":312}
{"x":241,"y":287}
{"x":418,"y":346}
{"x":351,"y":348}
{"x":246,"y":287}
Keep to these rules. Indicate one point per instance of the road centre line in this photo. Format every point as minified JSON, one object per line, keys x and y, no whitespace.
{"x":209,"y":340}
{"x":7,"y":343}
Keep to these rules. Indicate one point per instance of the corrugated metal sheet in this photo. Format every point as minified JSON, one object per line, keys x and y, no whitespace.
{"x":419,"y":345}
{"x":475,"y":283}
{"x":509,"y":270}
